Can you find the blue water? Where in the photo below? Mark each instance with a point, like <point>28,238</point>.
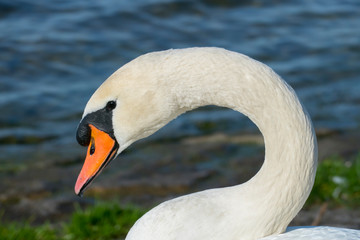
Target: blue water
<point>54,54</point>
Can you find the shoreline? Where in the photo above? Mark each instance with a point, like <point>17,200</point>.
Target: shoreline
<point>151,172</point>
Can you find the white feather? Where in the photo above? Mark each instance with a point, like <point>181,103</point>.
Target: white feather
<point>155,88</point>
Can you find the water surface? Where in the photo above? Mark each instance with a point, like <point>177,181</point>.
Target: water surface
<point>54,54</point>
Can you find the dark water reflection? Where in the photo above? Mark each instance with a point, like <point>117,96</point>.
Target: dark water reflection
<point>54,54</point>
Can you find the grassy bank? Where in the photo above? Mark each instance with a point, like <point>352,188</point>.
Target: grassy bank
<point>337,183</point>
<point>102,221</point>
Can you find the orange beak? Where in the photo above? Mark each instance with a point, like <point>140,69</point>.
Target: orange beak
<point>102,149</point>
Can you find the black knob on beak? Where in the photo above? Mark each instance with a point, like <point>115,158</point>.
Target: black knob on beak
<point>83,133</point>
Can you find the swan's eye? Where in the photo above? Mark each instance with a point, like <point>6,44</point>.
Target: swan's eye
<point>110,105</point>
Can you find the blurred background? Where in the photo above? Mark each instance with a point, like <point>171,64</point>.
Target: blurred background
<point>54,55</point>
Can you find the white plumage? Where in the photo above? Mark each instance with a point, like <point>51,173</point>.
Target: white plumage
<point>153,89</point>
<point>316,233</point>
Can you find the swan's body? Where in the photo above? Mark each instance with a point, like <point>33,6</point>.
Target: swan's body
<point>155,88</point>
<point>316,233</point>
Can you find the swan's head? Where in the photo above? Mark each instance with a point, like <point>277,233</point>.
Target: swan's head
<point>130,105</point>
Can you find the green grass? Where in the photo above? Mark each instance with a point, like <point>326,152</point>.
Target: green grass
<point>337,182</point>
<point>102,221</point>
<point>17,231</point>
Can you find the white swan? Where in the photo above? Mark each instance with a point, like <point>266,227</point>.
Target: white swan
<point>145,94</point>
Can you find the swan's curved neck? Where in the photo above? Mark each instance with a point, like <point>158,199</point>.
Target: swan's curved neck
<point>279,190</point>
<point>172,82</point>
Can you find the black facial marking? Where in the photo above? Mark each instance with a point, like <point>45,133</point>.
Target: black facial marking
<point>101,119</point>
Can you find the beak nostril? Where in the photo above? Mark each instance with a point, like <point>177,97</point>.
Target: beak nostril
<point>92,147</point>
